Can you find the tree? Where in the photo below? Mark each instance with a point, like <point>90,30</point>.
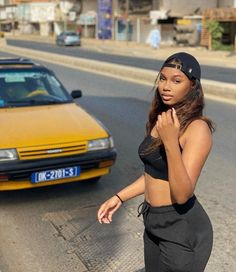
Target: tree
<point>215,30</point>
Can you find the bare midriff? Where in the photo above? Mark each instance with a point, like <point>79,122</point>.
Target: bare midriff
<point>157,191</point>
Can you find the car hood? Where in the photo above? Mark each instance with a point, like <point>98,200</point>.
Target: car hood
<point>40,125</point>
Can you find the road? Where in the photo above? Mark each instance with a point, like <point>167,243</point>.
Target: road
<point>54,229</point>
<point>221,74</point>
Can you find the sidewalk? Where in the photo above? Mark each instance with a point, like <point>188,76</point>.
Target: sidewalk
<point>204,56</point>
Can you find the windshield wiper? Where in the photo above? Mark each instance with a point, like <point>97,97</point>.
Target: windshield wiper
<point>47,102</point>
<point>16,103</point>
<point>33,102</point>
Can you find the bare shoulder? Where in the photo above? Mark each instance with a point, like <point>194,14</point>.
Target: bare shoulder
<point>198,126</point>
<point>198,131</point>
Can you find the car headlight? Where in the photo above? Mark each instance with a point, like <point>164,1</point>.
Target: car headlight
<point>99,144</point>
<point>8,155</point>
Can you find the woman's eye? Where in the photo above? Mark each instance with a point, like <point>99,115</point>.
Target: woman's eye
<point>162,78</point>
<point>177,81</point>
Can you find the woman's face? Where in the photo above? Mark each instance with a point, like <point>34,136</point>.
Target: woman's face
<point>173,85</point>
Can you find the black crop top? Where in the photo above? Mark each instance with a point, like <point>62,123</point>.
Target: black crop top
<point>155,162</point>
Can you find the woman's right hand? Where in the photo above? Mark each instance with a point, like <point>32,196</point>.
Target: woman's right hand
<point>107,209</point>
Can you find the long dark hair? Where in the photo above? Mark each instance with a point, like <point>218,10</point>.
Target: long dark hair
<point>190,108</point>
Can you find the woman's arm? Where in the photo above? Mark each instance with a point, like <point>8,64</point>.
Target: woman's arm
<point>184,169</point>
<point>108,208</point>
<point>134,189</point>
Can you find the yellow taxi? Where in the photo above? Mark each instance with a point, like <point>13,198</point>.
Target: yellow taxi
<point>46,138</point>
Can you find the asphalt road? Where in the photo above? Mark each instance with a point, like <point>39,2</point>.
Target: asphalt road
<point>54,229</point>
<point>208,72</point>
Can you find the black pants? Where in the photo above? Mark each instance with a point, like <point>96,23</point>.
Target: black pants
<point>177,238</point>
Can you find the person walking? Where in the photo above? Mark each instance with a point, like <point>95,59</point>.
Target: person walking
<point>154,38</point>
<point>178,234</point>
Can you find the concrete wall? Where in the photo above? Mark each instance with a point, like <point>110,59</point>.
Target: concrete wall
<point>89,5</point>
<point>185,7</point>
<point>145,28</point>
<point>31,1</point>
<point>45,29</point>
<point>227,3</point>
<point>167,34</point>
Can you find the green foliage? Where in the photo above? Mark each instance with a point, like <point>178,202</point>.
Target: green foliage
<point>216,31</point>
<point>225,47</point>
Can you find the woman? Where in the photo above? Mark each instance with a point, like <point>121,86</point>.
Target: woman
<point>178,233</point>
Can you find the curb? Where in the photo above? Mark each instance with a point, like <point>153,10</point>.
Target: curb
<point>226,91</point>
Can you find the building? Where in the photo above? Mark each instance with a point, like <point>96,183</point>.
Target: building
<point>124,20</point>
<point>35,16</point>
<point>227,19</point>
<point>7,11</point>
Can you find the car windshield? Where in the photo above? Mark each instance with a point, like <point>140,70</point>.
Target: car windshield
<point>30,88</point>
<point>71,34</point>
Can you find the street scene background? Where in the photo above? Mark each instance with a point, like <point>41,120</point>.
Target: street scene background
<point>55,229</point>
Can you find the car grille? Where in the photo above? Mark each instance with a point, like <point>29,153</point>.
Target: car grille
<point>52,151</point>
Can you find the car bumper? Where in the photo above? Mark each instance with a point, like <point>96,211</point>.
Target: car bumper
<point>72,43</point>
<point>17,175</point>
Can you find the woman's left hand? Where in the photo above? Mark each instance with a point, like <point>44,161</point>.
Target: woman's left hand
<point>168,127</point>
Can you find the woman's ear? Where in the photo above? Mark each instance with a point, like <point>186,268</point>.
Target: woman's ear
<point>193,83</point>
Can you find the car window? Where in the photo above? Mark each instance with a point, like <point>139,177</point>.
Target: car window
<point>24,88</point>
<point>55,86</point>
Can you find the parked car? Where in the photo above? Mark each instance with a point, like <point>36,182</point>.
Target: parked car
<point>68,38</point>
<point>46,138</point>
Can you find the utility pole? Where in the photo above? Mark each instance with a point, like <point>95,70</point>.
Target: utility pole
<point>127,17</point>
<point>113,20</point>
<point>13,19</point>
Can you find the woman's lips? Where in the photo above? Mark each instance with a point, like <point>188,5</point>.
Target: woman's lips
<point>166,97</point>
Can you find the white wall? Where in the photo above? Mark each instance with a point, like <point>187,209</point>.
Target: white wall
<point>42,12</point>
<point>185,7</point>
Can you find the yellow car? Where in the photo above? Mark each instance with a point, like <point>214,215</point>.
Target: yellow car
<point>46,138</point>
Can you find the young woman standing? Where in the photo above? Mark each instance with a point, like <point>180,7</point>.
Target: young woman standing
<point>178,234</point>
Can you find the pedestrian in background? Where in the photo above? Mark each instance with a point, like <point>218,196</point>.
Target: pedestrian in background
<point>79,30</point>
<point>178,234</point>
<point>154,38</point>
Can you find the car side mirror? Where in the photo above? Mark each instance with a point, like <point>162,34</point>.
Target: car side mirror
<point>76,94</point>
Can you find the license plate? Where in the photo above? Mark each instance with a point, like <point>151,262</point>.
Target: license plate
<point>55,174</point>
<point>73,39</point>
